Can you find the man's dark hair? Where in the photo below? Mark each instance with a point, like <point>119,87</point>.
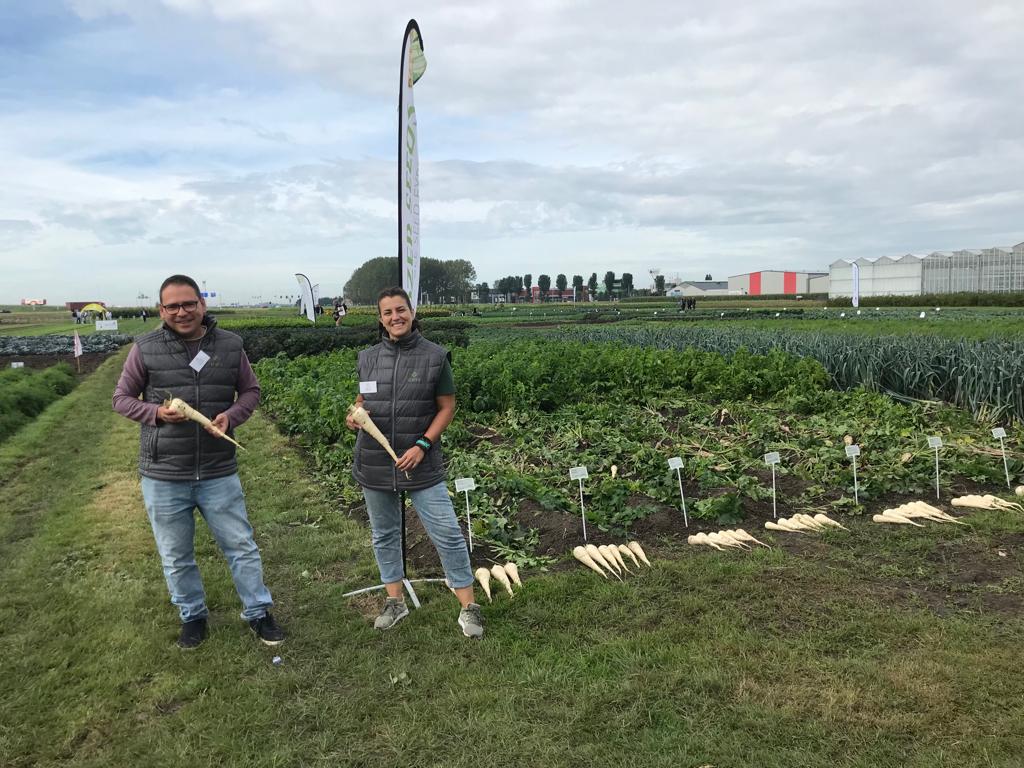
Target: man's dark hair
<point>179,280</point>
<point>388,293</point>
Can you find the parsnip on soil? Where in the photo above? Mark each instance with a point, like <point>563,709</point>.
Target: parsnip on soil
<point>581,554</point>
<point>484,577</point>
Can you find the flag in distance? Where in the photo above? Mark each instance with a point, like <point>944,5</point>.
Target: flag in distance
<point>78,345</point>
<point>306,291</point>
<point>414,63</point>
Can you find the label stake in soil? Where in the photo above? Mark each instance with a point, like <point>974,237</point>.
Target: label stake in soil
<point>853,451</point>
<point>467,484</point>
<point>580,473</point>
<point>676,463</point>
<point>1000,434</point>
<point>935,443</point>
<point>771,459</point>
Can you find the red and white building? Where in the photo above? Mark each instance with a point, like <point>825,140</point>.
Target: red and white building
<point>774,282</point>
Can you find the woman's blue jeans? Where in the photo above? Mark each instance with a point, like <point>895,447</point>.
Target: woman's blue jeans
<point>437,514</point>
<point>171,505</point>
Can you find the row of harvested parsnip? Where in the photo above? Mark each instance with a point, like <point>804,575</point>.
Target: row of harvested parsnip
<point>506,575</point>
<point>907,514</point>
<point>607,559</point>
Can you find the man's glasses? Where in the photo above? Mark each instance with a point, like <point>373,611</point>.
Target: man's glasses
<point>188,306</point>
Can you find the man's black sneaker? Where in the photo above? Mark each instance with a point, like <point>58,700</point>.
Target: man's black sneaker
<point>266,629</point>
<point>192,634</point>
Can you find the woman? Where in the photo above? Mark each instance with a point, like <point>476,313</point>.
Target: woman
<point>405,384</point>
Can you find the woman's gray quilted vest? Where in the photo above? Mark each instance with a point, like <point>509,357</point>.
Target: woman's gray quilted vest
<point>186,451</point>
<point>407,374</point>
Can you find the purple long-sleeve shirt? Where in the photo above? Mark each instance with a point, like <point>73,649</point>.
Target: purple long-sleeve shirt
<point>133,382</point>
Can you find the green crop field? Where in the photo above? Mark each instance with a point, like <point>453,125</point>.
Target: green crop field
<point>881,645</point>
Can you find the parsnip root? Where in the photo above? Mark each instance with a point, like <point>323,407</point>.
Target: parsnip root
<point>581,554</point>
<point>484,577</point>
<point>186,410</point>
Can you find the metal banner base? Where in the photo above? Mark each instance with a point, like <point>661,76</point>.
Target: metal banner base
<point>408,588</point>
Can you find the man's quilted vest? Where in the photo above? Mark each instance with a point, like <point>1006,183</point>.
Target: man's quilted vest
<point>186,451</point>
<point>406,374</point>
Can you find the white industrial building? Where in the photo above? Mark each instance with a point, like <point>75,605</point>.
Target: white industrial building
<point>986,270</point>
<point>776,282</point>
<point>699,288</point>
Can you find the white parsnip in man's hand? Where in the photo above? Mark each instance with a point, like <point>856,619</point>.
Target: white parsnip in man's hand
<point>181,407</point>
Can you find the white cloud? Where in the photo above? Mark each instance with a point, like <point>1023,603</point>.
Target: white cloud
<point>786,133</point>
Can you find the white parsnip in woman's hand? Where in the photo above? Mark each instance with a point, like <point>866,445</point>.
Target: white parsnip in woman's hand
<point>186,410</point>
<point>359,415</point>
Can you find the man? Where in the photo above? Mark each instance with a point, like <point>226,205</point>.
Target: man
<point>185,467</point>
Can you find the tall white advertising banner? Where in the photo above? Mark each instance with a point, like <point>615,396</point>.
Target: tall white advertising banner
<point>414,63</point>
<point>855,274</point>
<point>306,291</point>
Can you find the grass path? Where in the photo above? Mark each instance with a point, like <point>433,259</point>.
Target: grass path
<point>763,660</point>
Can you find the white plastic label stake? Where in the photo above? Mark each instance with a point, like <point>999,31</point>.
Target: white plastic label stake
<point>1000,434</point>
<point>853,451</point>
<point>935,443</point>
<point>771,459</point>
<point>467,484</point>
<point>676,463</point>
<point>200,360</point>
<point>580,474</point>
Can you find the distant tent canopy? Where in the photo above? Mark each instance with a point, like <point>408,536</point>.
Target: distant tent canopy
<point>94,308</point>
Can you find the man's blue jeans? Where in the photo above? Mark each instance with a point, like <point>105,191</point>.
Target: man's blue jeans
<point>437,514</point>
<point>171,506</point>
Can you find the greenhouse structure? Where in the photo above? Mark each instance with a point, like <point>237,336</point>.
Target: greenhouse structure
<point>986,270</point>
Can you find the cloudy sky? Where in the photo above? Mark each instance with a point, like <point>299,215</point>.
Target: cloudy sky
<point>241,141</point>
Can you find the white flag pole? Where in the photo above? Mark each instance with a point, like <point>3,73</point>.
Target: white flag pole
<point>414,63</point>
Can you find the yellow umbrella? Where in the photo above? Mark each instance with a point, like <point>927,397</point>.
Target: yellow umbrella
<point>93,308</point>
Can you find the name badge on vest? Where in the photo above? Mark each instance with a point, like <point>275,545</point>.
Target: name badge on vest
<point>367,387</point>
<point>199,361</point>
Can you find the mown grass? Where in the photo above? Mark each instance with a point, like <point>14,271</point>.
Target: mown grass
<point>795,657</point>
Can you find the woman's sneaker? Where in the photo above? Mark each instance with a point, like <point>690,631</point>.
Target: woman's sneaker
<point>393,612</point>
<point>471,621</point>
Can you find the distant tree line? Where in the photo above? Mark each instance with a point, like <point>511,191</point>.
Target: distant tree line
<point>441,282</point>
<point>455,281</point>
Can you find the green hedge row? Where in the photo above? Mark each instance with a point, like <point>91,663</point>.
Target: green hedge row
<point>667,300</point>
<point>293,342</point>
<point>25,392</point>
<point>938,300</point>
